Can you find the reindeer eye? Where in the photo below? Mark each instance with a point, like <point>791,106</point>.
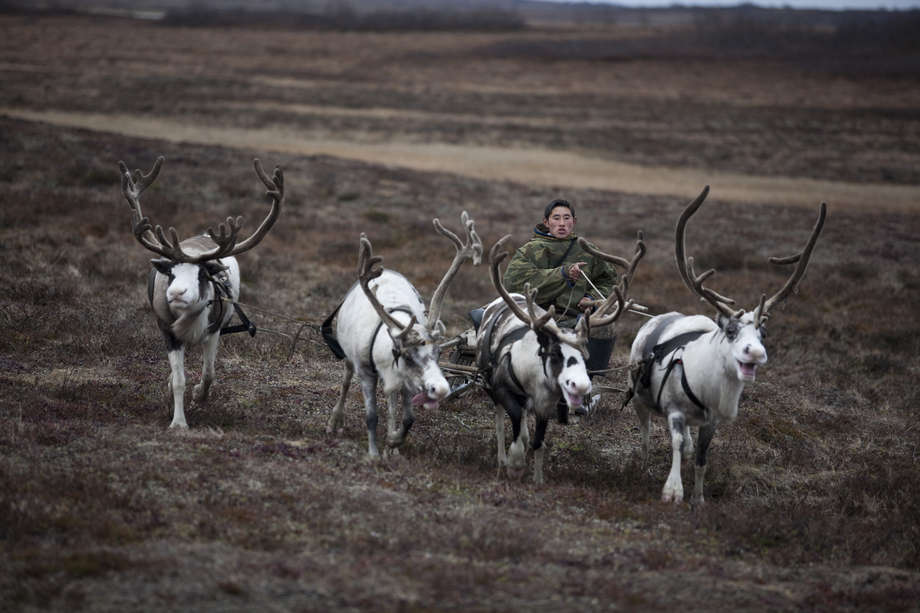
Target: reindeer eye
<point>570,362</point>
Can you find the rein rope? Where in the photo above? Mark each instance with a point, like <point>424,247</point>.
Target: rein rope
<point>303,323</point>
<point>633,309</point>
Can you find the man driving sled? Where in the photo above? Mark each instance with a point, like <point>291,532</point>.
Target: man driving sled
<point>565,276</point>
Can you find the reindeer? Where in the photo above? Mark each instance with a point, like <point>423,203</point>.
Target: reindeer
<point>188,285</point>
<point>690,370</point>
<point>386,333</point>
<point>530,363</point>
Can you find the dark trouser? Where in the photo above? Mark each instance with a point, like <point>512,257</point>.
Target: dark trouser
<point>599,352</point>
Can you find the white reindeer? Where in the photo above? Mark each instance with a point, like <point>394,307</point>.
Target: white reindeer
<point>691,370</point>
<point>530,363</point>
<point>386,333</point>
<point>188,285</point>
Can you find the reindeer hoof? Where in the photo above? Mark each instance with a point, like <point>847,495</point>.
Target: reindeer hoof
<point>200,393</point>
<point>672,497</point>
<point>178,425</point>
<point>516,472</point>
<point>392,454</point>
<point>335,425</point>
<point>395,440</point>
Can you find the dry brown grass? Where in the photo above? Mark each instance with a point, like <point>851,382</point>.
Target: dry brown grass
<point>813,496</point>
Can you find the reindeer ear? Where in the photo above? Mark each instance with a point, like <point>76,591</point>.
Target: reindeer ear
<point>543,337</point>
<point>214,267</point>
<point>162,265</point>
<point>729,325</point>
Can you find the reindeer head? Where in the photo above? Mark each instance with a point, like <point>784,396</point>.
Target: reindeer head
<point>189,265</point>
<point>415,350</point>
<point>743,331</point>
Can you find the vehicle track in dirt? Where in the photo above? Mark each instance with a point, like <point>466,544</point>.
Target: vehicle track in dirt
<point>534,166</point>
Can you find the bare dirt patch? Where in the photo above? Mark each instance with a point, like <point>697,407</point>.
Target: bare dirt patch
<point>532,166</point>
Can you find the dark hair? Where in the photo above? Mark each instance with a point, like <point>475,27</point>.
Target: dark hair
<point>558,202</point>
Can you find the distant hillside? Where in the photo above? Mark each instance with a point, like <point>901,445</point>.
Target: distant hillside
<point>881,27</point>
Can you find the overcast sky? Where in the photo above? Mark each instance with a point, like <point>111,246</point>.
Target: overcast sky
<point>819,4</point>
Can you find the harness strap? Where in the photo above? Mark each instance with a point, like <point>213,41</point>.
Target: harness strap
<point>683,383</point>
<point>486,362</point>
<point>681,340</point>
<point>686,385</point>
<point>216,315</point>
<point>510,338</point>
<point>245,326</point>
<point>653,352</point>
<point>370,354</point>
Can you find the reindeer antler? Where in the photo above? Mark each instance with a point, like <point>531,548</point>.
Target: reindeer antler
<point>496,256</point>
<point>792,282</point>
<point>602,316</point>
<point>367,271</point>
<point>155,239</point>
<point>534,320</point>
<point>685,265</point>
<point>470,250</point>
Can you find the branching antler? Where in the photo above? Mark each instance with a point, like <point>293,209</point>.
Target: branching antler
<point>722,304</point>
<point>471,250</point>
<point>604,315</point>
<point>496,256</point>
<point>685,265</point>
<point>367,271</point>
<point>802,259</point>
<point>531,317</point>
<point>155,238</point>
<point>275,185</point>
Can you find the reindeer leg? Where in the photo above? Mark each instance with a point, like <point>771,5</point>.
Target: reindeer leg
<point>369,389</point>
<point>177,386</point>
<point>645,419</point>
<point>673,488</point>
<point>392,407</point>
<point>687,449</point>
<point>500,437</point>
<point>398,437</point>
<point>538,447</point>
<point>209,353</point>
<point>703,439</point>
<point>334,426</point>
<point>517,453</point>
<point>525,425</point>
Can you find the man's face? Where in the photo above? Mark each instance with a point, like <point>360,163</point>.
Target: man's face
<point>560,222</point>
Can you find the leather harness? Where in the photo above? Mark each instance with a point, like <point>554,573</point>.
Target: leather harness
<point>653,352</point>
<point>333,343</point>
<point>370,354</point>
<point>221,291</point>
<point>487,359</point>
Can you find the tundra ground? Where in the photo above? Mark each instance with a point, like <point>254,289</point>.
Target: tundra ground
<point>812,494</point>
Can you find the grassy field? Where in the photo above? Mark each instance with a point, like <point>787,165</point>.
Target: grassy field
<point>812,494</point>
